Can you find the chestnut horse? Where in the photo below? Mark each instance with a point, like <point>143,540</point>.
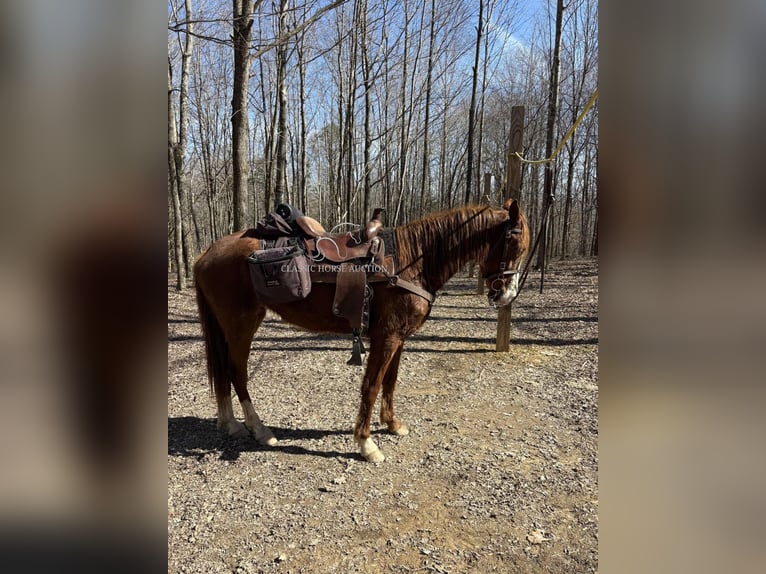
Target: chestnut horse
<point>429,250</point>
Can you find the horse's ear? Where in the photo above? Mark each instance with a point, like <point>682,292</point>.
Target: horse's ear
<point>512,207</point>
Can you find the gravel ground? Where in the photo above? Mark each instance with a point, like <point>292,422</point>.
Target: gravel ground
<point>498,473</point>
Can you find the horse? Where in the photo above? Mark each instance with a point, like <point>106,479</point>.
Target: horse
<point>430,251</point>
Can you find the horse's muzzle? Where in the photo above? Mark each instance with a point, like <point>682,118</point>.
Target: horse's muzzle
<point>505,292</point>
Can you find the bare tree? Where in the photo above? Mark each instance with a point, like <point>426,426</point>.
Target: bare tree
<point>553,101</point>
<point>243,24</point>
<point>280,183</point>
<point>303,163</point>
<point>367,83</point>
<point>177,141</point>
<point>425,179</point>
<point>173,189</point>
<point>472,109</point>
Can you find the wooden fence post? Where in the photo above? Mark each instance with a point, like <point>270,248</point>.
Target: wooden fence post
<point>512,191</point>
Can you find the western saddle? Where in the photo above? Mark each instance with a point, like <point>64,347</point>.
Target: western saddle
<point>354,245</point>
<point>351,260</point>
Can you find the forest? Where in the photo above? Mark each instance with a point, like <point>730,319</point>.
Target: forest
<point>342,106</point>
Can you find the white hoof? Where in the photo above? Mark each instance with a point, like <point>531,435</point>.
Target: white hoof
<point>375,456</point>
<point>261,432</point>
<point>264,436</point>
<point>267,439</point>
<point>370,451</point>
<point>402,430</point>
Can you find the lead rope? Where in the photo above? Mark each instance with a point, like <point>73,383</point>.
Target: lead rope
<point>532,252</point>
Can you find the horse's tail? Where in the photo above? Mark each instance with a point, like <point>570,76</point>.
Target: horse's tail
<point>216,348</point>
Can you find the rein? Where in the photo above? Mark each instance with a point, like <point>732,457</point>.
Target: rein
<point>525,273</point>
<point>389,237</point>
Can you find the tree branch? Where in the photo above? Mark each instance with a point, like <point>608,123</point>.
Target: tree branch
<point>295,31</point>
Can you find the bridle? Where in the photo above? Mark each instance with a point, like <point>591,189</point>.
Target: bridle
<point>501,275</point>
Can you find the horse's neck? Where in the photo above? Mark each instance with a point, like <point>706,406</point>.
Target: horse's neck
<point>434,255</point>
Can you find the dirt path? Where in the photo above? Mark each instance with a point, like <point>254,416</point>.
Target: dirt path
<point>498,474</point>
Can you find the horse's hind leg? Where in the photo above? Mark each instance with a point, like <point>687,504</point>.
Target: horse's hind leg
<point>226,420</point>
<point>387,417</point>
<point>239,351</point>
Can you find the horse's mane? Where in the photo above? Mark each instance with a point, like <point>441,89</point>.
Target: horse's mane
<point>451,239</point>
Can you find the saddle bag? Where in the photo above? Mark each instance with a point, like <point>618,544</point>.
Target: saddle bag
<point>280,274</point>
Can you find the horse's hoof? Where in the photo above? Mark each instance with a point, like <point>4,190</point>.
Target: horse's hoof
<point>236,429</point>
<point>374,456</point>
<point>370,451</point>
<point>401,430</point>
<point>265,437</point>
<point>268,440</point>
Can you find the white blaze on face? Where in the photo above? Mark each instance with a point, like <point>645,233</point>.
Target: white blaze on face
<point>509,290</point>
<point>512,288</point>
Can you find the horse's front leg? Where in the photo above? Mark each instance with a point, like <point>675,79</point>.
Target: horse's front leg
<point>382,352</point>
<point>387,417</point>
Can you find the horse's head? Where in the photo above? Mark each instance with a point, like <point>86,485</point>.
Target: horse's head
<point>501,267</point>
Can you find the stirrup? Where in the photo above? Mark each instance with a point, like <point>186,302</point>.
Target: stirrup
<point>357,349</point>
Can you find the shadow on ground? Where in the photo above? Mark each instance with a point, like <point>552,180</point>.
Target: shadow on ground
<point>195,437</point>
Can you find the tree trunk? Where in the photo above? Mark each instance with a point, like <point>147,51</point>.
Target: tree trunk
<point>172,181</point>
<point>445,199</point>
<point>594,243</point>
<point>367,81</point>
<point>183,123</point>
<point>204,130</point>
<point>472,109</point>
<point>553,101</point>
<point>402,107</point>
<point>243,24</point>
<point>303,165</point>
<point>585,199</point>
<point>385,129</point>
<point>482,106</point>
<point>280,183</point>
<point>349,123</point>
<point>269,128</point>
<point>567,202</point>
<point>425,179</point>
<point>180,137</point>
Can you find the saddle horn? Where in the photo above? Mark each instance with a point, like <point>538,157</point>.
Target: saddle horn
<point>376,213</point>
<point>373,226</point>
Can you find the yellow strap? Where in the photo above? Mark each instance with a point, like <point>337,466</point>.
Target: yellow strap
<point>567,136</point>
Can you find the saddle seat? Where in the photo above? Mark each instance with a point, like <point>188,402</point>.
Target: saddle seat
<point>362,243</point>
<point>310,226</point>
